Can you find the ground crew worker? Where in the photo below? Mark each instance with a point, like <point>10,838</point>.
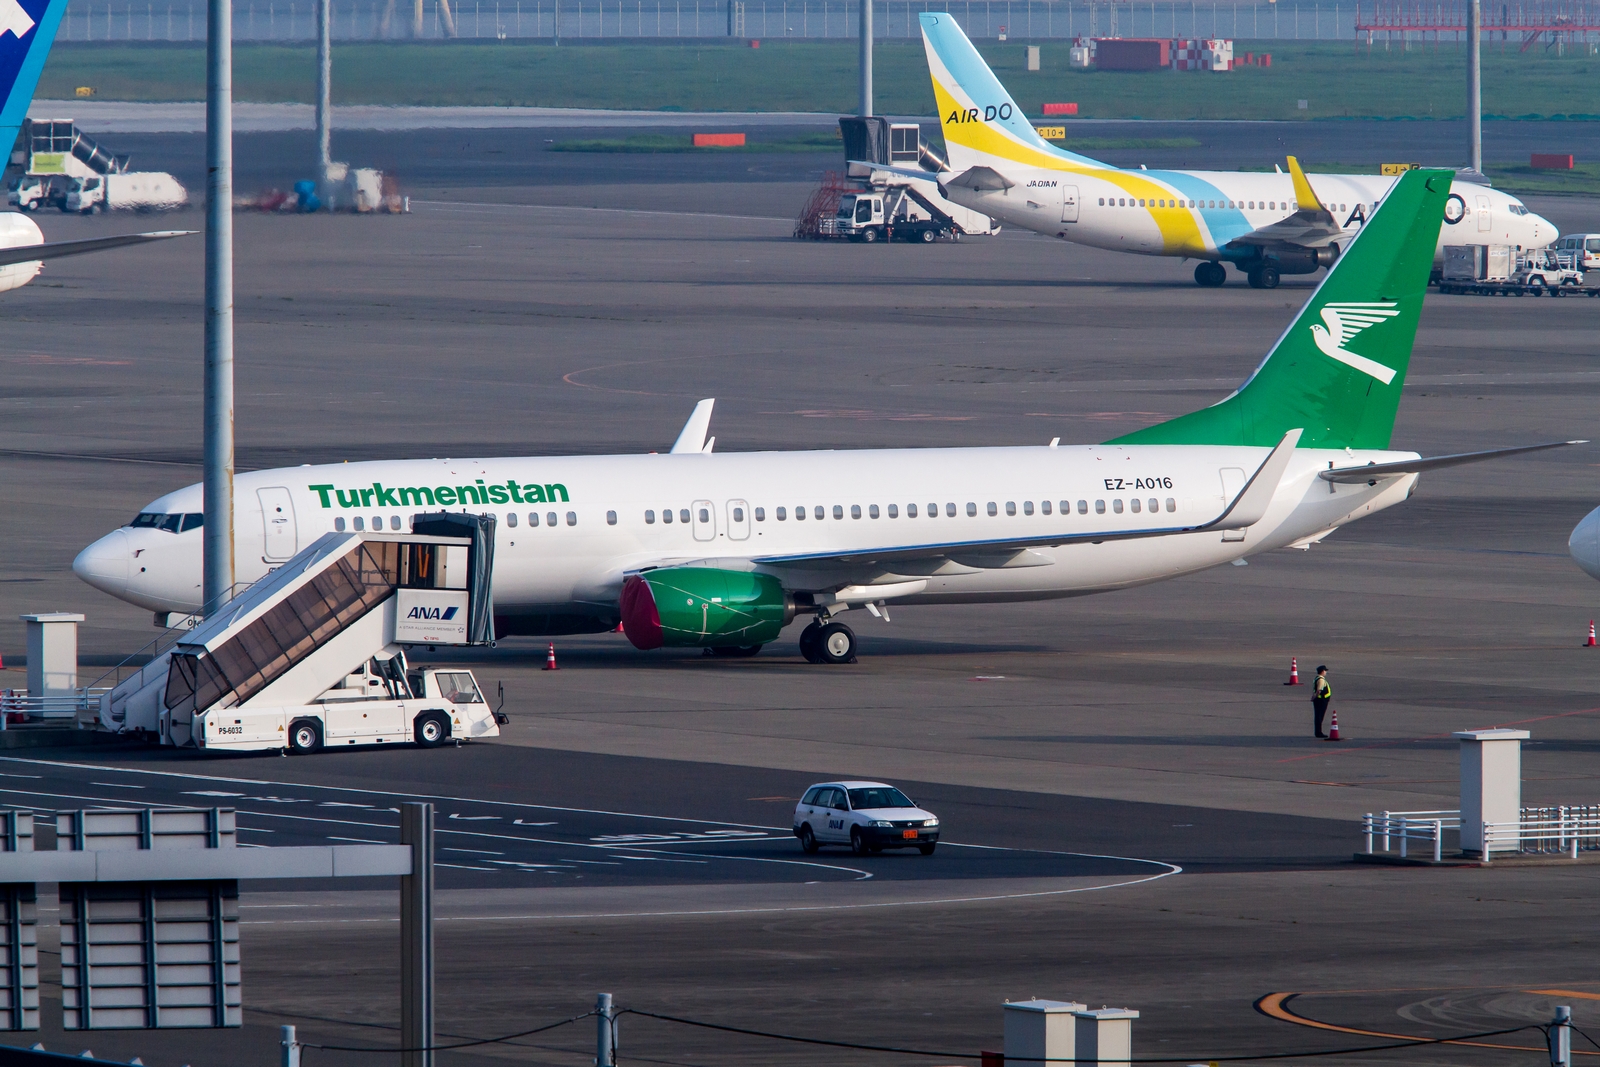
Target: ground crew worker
<point>1321,697</point>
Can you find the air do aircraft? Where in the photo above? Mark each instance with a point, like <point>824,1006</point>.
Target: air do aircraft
<point>721,551</point>
<point>27,30</point>
<point>1266,225</point>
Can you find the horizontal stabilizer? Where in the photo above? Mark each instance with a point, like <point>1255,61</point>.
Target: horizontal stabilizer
<point>981,179</point>
<point>1372,471</point>
<point>59,249</point>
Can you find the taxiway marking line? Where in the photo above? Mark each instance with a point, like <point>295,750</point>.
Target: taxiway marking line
<point>1275,1006</point>
<point>1564,993</point>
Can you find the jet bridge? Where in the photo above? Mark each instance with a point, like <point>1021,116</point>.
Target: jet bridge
<point>314,653</point>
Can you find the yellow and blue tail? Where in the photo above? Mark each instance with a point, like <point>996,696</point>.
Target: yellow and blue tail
<point>27,30</point>
<point>982,125</point>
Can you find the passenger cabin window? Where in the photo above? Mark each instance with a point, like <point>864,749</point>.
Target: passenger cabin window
<point>1155,505</point>
<point>705,514</point>
<point>572,518</point>
<point>511,520</point>
<point>1116,505</point>
<point>855,511</point>
<point>972,509</point>
<point>783,513</point>
<point>1172,505</point>
<point>894,511</point>
<point>816,512</point>
<point>1083,507</point>
<point>649,518</point>
<point>611,518</point>
<point>1044,507</point>
<point>761,514</point>
<point>550,518</point>
<point>1136,505</point>
<point>338,524</point>
<point>683,515</point>
<point>838,512</point>
<point>533,518</point>
<point>800,514</point>
<point>1099,507</point>
<point>1027,508</point>
<point>358,524</point>
<point>950,509</point>
<point>911,511</point>
<point>872,511</point>
<point>992,509</point>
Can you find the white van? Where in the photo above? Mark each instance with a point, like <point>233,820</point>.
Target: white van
<point>1584,249</point>
<point>142,191</point>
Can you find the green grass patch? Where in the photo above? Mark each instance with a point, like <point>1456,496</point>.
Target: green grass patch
<point>1337,80</point>
<point>683,142</point>
<point>1582,179</point>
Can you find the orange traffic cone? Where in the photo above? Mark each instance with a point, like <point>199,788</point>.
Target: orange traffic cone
<point>1294,671</point>
<point>550,658</point>
<point>1590,643</point>
<point>619,629</point>
<point>1333,731</point>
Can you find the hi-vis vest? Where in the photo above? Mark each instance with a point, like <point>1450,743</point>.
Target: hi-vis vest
<point>1323,690</point>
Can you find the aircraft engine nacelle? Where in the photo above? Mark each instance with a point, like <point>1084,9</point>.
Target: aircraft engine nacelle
<point>1298,260</point>
<point>1584,544</point>
<point>703,607</point>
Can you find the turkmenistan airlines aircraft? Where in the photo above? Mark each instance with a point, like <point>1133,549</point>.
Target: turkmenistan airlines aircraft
<point>1266,225</point>
<point>27,30</point>
<point>722,551</point>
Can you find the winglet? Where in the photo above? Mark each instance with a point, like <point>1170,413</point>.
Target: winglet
<point>693,437</point>
<point>1304,195</point>
<point>1251,504</point>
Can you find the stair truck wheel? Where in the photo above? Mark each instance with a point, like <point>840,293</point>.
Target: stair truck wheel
<point>431,729</point>
<point>305,735</point>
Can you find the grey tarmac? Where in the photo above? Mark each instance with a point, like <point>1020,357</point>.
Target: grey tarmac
<point>1151,725</point>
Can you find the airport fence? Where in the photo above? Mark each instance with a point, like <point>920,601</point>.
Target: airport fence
<point>295,20</point>
<point>1562,830</point>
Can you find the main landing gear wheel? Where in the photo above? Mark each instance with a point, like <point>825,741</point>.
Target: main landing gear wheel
<point>837,643</point>
<point>1263,278</point>
<point>1210,275</point>
<point>811,643</point>
<point>808,840</point>
<point>304,736</point>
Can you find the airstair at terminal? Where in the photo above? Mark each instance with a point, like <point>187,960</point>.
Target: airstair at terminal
<point>313,654</point>
<point>51,141</point>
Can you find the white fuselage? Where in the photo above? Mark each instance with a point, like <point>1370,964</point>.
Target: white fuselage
<point>1148,211</point>
<point>17,231</point>
<point>600,517</point>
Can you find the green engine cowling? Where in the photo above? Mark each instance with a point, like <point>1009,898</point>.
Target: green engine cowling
<point>689,607</point>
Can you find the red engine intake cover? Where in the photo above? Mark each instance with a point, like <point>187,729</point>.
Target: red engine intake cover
<point>641,620</point>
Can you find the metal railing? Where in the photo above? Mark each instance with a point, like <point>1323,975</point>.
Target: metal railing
<point>1387,827</point>
<point>19,708</point>
<point>1561,831</point>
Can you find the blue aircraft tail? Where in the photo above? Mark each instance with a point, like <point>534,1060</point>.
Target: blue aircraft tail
<point>27,30</point>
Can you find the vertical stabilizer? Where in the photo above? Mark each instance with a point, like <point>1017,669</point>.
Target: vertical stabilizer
<point>1337,371</point>
<point>27,30</point>
<point>983,126</point>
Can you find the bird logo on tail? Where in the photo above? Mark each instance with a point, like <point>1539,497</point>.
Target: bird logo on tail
<point>14,19</point>
<point>1344,321</point>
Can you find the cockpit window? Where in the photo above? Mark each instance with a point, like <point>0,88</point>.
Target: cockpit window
<point>174,523</point>
<point>1516,209</point>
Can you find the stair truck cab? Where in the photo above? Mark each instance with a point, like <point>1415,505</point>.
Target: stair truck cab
<point>314,654</point>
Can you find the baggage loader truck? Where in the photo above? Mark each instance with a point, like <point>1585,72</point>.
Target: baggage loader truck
<point>314,654</point>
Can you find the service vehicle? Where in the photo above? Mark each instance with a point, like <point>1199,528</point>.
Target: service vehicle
<point>867,816</point>
<point>1545,268</point>
<point>890,215</point>
<point>314,654</point>
<point>140,191</point>
<point>31,192</point>
<point>1584,249</point>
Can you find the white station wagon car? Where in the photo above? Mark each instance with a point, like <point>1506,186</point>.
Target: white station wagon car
<point>867,816</point>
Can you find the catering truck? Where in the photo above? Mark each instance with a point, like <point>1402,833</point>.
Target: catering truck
<point>151,190</point>
<point>314,655</point>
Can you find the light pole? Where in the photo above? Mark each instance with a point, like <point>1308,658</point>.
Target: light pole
<point>866,57</point>
<point>217,570</point>
<point>1475,83</point>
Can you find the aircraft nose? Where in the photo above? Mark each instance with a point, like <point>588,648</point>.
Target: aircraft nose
<point>104,564</point>
<point>1584,544</point>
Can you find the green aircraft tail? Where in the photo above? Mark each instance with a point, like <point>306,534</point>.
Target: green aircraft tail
<point>1337,371</point>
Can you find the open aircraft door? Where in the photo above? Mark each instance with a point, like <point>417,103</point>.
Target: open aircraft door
<point>281,535</point>
<point>1069,203</point>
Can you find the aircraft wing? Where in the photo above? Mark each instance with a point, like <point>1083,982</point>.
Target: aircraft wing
<point>1244,510</point>
<point>59,249</point>
<point>1374,471</point>
<point>1312,226</point>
